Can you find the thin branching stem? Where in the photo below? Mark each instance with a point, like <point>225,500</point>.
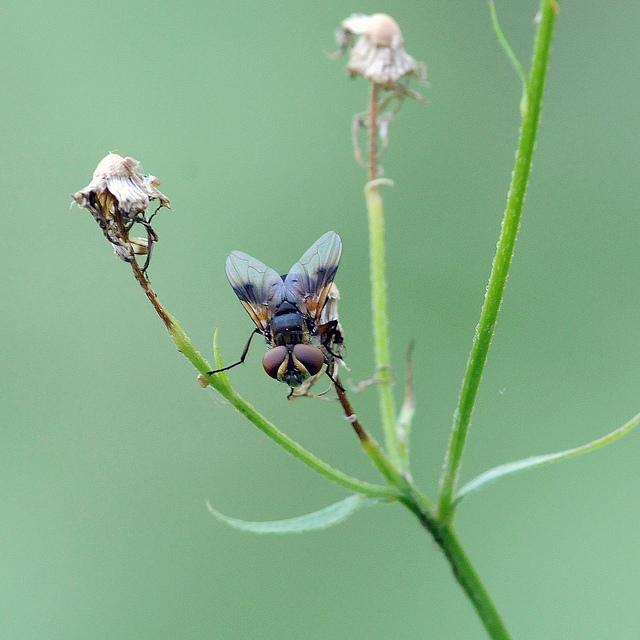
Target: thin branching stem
<point>220,382</point>
<point>375,451</point>
<point>502,260</point>
<point>395,469</point>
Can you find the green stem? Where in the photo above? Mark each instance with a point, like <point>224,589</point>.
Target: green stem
<point>461,566</point>
<point>470,581</point>
<point>377,454</point>
<point>302,454</point>
<point>379,298</point>
<point>378,271</point>
<point>220,382</point>
<point>395,468</point>
<point>402,490</point>
<point>381,320</point>
<point>501,262</point>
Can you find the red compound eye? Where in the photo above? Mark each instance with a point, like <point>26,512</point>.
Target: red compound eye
<point>310,357</point>
<point>273,360</point>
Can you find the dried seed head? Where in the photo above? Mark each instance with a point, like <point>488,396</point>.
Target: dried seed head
<point>131,190</point>
<point>378,55</point>
<point>117,198</point>
<point>383,31</point>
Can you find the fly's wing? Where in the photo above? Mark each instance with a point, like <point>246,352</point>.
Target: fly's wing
<point>308,282</point>
<point>259,288</point>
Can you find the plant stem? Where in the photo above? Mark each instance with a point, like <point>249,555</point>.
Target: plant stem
<point>469,580</point>
<point>379,286</point>
<point>376,453</point>
<point>392,469</point>
<point>502,260</point>
<point>302,454</point>
<point>461,566</point>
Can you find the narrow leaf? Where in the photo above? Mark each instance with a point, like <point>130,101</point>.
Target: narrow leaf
<point>537,461</point>
<point>217,356</point>
<point>504,43</point>
<point>407,411</point>
<point>221,378</point>
<point>322,519</point>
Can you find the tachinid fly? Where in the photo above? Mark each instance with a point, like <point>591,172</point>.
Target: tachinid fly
<point>296,313</point>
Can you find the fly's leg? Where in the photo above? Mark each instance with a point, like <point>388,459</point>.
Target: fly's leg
<point>242,357</point>
<point>331,335</point>
<point>152,236</point>
<point>335,381</point>
<point>375,379</point>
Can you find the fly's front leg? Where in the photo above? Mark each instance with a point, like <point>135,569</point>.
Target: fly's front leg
<point>330,334</point>
<point>242,357</point>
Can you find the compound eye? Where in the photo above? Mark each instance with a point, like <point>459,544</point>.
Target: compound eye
<point>273,359</point>
<point>310,357</point>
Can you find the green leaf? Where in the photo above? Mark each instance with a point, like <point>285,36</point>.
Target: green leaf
<point>310,522</point>
<point>217,356</point>
<point>510,468</point>
<point>504,43</point>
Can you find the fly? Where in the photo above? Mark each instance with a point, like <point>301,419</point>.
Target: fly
<point>301,329</point>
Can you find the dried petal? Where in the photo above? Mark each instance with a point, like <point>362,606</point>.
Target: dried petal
<point>140,246</point>
<point>356,23</point>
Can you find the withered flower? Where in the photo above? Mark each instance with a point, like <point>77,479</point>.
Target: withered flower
<point>378,54</point>
<point>329,314</point>
<point>117,198</point>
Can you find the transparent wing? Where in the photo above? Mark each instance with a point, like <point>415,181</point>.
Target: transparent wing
<point>308,282</point>
<point>259,288</point>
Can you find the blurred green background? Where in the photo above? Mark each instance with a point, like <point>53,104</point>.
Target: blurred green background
<point>109,448</point>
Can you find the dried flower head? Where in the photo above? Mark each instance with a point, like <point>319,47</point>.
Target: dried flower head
<point>378,54</point>
<point>117,198</point>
